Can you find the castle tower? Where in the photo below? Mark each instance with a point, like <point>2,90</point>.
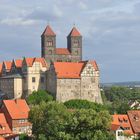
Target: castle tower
<point>48,44</point>
<point>74,44</point>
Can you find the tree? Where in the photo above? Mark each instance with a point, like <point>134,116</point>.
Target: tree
<point>87,124</point>
<point>38,96</point>
<point>53,121</point>
<point>84,104</point>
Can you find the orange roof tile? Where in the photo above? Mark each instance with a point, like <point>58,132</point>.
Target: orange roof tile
<point>62,51</point>
<point>48,31</point>
<point>134,117</point>
<point>2,138</point>
<point>74,32</point>
<point>18,63</point>
<point>8,65</point>
<point>30,61</point>
<point>0,68</point>
<point>18,109</point>
<point>41,60</point>
<point>4,124</point>
<point>68,69</point>
<point>122,121</point>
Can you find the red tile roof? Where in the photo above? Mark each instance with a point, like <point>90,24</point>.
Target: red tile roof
<point>74,32</point>
<point>48,31</point>
<point>134,117</point>
<point>4,125</point>
<point>18,63</point>
<point>115,127</point>
<point>18,109</point>
<point>30,61</point>
<point>122,121</point>
<point>68,69</point>
<point>2,138</point>
<point>71,69</point>
<point>62,51</point>
<point>0,68</point>
<point>8,65</point>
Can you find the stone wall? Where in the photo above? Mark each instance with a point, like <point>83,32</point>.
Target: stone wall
<point>86,87</point>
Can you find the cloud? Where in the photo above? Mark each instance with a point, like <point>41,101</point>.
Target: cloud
<point>17,21</point>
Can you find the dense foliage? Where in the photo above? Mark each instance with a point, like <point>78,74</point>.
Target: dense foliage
<point>38,96</point>
<point>121,93</point>
<point>53,121</point>
<point>84,104</point>
<point>117,98</point>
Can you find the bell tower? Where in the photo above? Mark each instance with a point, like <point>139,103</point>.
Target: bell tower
<point>74,44</point>
<point>48,44</point>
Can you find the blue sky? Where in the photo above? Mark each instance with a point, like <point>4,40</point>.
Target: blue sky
<point>110,29</point>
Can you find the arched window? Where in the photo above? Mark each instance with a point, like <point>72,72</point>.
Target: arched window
<point>76,43</point>
<point>49,43</point>
<point>50,51</point>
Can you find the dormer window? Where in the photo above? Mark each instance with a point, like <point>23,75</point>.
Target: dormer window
<point>49,43</point>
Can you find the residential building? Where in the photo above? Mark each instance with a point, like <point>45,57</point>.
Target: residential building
<point>16,113</point>
<point>21,77</point>
<point>74,80</point>
<point>134,116</point>
<point>5,131</point>
<point>121,127</point>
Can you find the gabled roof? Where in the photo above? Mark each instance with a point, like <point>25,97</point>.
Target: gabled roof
<point>123,121</point>
<point>8,65</point>
<point>48,31</point>
<point>30,61</point>
<point>17,109</point>
<point>18,63</point>
<point>134,117</point>
<point>71,69</point>
<point>61,51</point>
<point>0,68</point>
<point>68,69</point>
<point>4,125</point>
<point>74,32</point>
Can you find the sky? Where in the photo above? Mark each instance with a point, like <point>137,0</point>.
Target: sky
<point>110,30</point>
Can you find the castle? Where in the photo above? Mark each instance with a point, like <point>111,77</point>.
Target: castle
<point>61,71</point>
<point>73,52</point>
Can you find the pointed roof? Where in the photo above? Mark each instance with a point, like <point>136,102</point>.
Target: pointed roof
<point>74,32</point>
<point>48,31</point>
<point>14,108</point>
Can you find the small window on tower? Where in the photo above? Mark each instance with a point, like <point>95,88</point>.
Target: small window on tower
<point>76,52</point>
<point>76,43</point>
<point>49,43</point>
<point>50,51</point>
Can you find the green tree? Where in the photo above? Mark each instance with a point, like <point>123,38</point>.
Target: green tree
<point>87,124</point>
<point>23,137</point>
<point>84,104</point>
<point>38,96</point>
<point>53,121</point>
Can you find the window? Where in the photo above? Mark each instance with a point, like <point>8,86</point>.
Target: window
<point>42,80</point>
<point>76,52</point>
<point>50,51</point>
<point>49,43</point>
<point>76,43</point>
<point>33,79</point>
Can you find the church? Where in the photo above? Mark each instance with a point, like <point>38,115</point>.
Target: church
<point>60,71</point>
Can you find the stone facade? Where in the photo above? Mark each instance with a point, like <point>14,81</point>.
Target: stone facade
<point>21,81</point>
<point>72,53</point>
<point>84,87</point>
<point>80,81</point>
